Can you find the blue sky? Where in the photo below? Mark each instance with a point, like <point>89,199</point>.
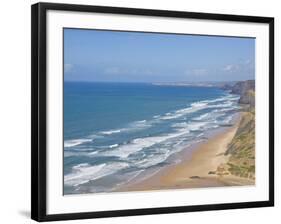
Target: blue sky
<point>94,55</point>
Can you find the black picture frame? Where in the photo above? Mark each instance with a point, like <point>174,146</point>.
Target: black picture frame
<point>38,108</point>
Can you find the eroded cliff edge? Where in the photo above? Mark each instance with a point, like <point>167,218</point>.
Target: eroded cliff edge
<point>241,150</point>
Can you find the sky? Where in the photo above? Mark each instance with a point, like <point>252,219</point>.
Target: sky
<point>114,56</point>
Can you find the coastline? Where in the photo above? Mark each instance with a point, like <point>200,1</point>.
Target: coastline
<point>196,168</point>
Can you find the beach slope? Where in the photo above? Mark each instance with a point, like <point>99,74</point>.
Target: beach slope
<point>200,169</point>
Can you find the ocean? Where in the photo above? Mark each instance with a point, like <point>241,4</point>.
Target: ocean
<point>116,132</point>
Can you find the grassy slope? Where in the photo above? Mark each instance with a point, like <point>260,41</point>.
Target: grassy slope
<point>241,150</point>
<point>242,147</point>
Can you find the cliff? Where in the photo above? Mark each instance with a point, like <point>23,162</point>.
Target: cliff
<point>246,90</point>
<point>241,150</point>
<point>243,86</point>
<point>242,147</point>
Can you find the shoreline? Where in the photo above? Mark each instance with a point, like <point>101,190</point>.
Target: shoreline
<point>196,168</point>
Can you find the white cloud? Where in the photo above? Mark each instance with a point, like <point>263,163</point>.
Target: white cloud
<point>196,71</point>
<point>148,72</point>
<point>242,66</point>
<point>68,68</point>
<point>199,71</point>
<point>130,71</point>
<point>112,70</point>
<point>247,62</point>
<point>232,68</point>
<point>227,68</point>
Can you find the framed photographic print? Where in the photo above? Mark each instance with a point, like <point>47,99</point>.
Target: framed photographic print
<point>139,111</point>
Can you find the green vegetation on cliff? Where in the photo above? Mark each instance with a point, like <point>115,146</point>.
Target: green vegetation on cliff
<point>241,150</point>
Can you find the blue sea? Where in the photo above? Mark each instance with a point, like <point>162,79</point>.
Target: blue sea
<point>116,132</point>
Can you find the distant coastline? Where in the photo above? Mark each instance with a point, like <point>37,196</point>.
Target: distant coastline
<point>197,84</point>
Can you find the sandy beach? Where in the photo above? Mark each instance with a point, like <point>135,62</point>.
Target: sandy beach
<point>197,168</point>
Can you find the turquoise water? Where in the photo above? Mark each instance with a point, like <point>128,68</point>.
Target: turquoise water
<point>113,132</point>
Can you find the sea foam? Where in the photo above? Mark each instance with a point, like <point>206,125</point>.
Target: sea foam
<point>144,152</point>
<point>75,142</point>
<point>84,173</point>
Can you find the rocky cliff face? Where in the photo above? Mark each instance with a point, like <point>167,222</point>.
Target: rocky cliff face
<point>241,150</point>
<point>246,90</point>
<point>243,86</point>
<point>248,98</point>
